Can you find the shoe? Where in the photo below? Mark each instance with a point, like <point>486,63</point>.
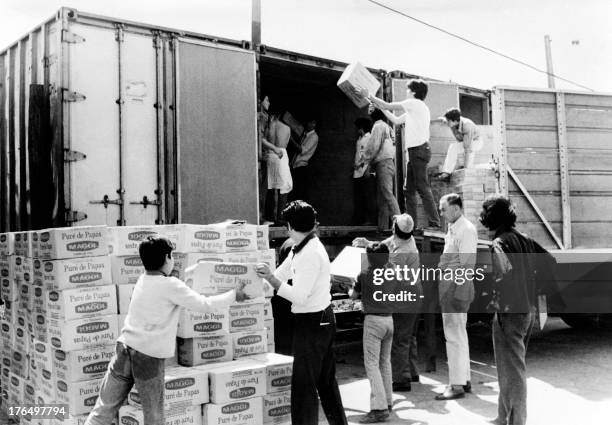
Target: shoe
<point>390,408</point>
<point>450,394</point>
<point>467,387</point>
<point>415,378</point>
<point>496,421</point>
<point>401,387</point>
<point>431,364</point>
<point>375,416</point>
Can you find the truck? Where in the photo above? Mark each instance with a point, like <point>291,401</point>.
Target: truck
<point>108,121</point>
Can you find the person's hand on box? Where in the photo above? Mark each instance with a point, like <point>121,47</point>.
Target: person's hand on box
<point>240,294</point>
<point>361,91</point>
<point>263,270</point>
<point>360,243</point>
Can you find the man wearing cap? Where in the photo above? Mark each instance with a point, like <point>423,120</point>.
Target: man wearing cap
<point>456,295</point>
<point>402,252</point>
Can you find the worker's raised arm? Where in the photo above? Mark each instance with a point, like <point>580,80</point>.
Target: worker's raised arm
<point>396,120</point>
<point>380,104</point>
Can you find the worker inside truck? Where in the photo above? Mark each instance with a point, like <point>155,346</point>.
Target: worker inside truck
<point>279,179</point>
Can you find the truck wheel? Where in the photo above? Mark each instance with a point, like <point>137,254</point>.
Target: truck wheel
<point>581,321</point>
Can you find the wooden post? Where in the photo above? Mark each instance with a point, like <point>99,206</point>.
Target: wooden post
<point>256,23</point>
<point>549,64</point>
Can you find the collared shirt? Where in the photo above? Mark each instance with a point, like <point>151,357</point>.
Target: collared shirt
<point>416,124</point>
<point>466,131</point>
<point>308,147</point>
<point>263,126</point>
<point>381,134</point>
<point>460,245</point>
<point>403,252</point>
<point>308,268</point>
<point>360,164</point>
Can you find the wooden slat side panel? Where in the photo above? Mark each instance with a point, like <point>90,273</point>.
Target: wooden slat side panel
<point>534,159</point>
<point>531,115</point>
<point>589,139</point>
<point>578,117</point>
<point>521,138</point>
<point>529,96</point>
<point>588,100</point>
<point>550,205</point>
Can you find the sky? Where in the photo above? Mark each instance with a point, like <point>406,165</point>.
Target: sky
<point>358,30</point>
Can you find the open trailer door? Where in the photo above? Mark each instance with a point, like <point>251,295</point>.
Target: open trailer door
<point>217,133</point>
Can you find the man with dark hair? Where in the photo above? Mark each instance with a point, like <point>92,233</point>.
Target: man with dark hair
<point>468,140</point>
<point>457,293</point>
<point>514,303</point>
<point>415,117</point>
<point>279,180</point>
<point>300,165</point>
<point>364,210</point>
<point>314,365</point>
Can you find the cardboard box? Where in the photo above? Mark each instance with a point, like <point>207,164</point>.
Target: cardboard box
<point>125,240</point>
<point>126,270</point>
<point>249,343</point>
<point>23,268</point>
<point>39,299</point>
<point>277,408</point>
<point>215,278</point>
<point>246,316</point>
<point>279,369</point>
<point>47,385</point>
<point>73,242</point>
<point>7,244</point>
<point>347,265</point>
<point>236,380</point>
<point>210,349</point>
<point>23,243</point>
<point>40,327</point>
<point>243,412</point>
<point>269,325</point>
<point>74,335</point>
<point>82,365</point>
<point>184,387</point>
<point>19,364</point>
<point>43,355</point>
<point>10,288</point>
<point>15,389</point>
<point>124,296</point>
<point>76,273</point>
<point>268,312</point>
<point>73,304</point>
<point>193,324</point>
<point>263,237</point>
<point>132,415</point>
<point>220,237</point>
<point>79,396</point>
<point>356,75</point>
<point>182,261</point>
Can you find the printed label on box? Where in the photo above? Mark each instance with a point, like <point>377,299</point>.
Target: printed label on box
<point>279,369</point>
<point>126,270</point>
<point>211,349</point>
<point>249,343</point>
<point>215,278</point>
<point>7,244</point>
<point>263,237</point>
<point>82,365</point>
<point>277,408</point>
<point>246,316</point>
<point>73,242</point>
<point>193,324</point>
<point>74,335</point>
<point>220,237</point>
<point>242,412</point>
<point>72,304</point>
<point>236,380</point>
<point>132,415</point>
<point>79,396</point>
<point>76,273</point>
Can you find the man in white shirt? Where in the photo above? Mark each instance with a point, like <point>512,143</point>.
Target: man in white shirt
<point>416,118</point>
<point>300,166</point>
<point>364,209</point>
<point>314,365</point>
<point>456,295</point>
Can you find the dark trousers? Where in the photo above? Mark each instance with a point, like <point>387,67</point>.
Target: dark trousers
<point>403,331</point>
<point>314,370</point>
<point>275,203</point>
<point>417,180</point>
<point>511,332</point>
<point>301,183</point>
<point>364,200</point>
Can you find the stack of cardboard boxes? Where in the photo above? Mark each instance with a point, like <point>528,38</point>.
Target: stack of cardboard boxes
<point>65,300</point>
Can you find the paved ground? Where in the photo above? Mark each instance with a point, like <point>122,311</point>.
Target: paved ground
<point>570,382</point>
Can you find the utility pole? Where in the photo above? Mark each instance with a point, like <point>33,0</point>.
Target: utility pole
<point>549,64</point>
<point>256,23</point>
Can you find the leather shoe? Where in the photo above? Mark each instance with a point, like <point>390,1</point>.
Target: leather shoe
<point>450,394</point>
<point>415,378</point>
<point>401,387</point>
<point>374,416</point>
<point>467,387</point>
<point>496,421</point>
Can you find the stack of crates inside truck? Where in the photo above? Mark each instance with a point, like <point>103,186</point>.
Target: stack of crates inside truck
<point>67,292</point>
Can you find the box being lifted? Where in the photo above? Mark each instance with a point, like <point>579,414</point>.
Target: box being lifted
<point>356,75</point>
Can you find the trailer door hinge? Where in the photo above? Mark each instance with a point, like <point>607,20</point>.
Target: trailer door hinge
<point>73,96</point>
<point>106,201</point>
<point>49,60</point>
<point>74,216</point>
<point>73,156</point>
<point>146,201</point>
<point>70,37</point>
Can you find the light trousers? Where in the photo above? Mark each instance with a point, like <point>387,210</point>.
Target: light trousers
<point>377,340</point>
<point>457,347</point>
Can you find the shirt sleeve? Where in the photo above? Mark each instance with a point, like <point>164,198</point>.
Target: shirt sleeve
<point>468,244</point>
<point>307,269</point>
<point>184,296</point>
<point>373,145</point>
<point>283,272</point>
<point>308,147</point>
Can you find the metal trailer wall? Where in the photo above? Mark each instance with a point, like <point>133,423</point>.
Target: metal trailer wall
<point>100,123</point>
<point>556,163</point>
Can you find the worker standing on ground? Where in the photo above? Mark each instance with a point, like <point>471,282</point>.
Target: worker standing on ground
<point>314,364</point>
<point>380,154</point>
<point>416,119</point>
<point>514,305</point>
<point>149,335</point>
<point>468,141</point>
<point>300,166</point>
<point>457,293</point>
<point>403,252</point>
